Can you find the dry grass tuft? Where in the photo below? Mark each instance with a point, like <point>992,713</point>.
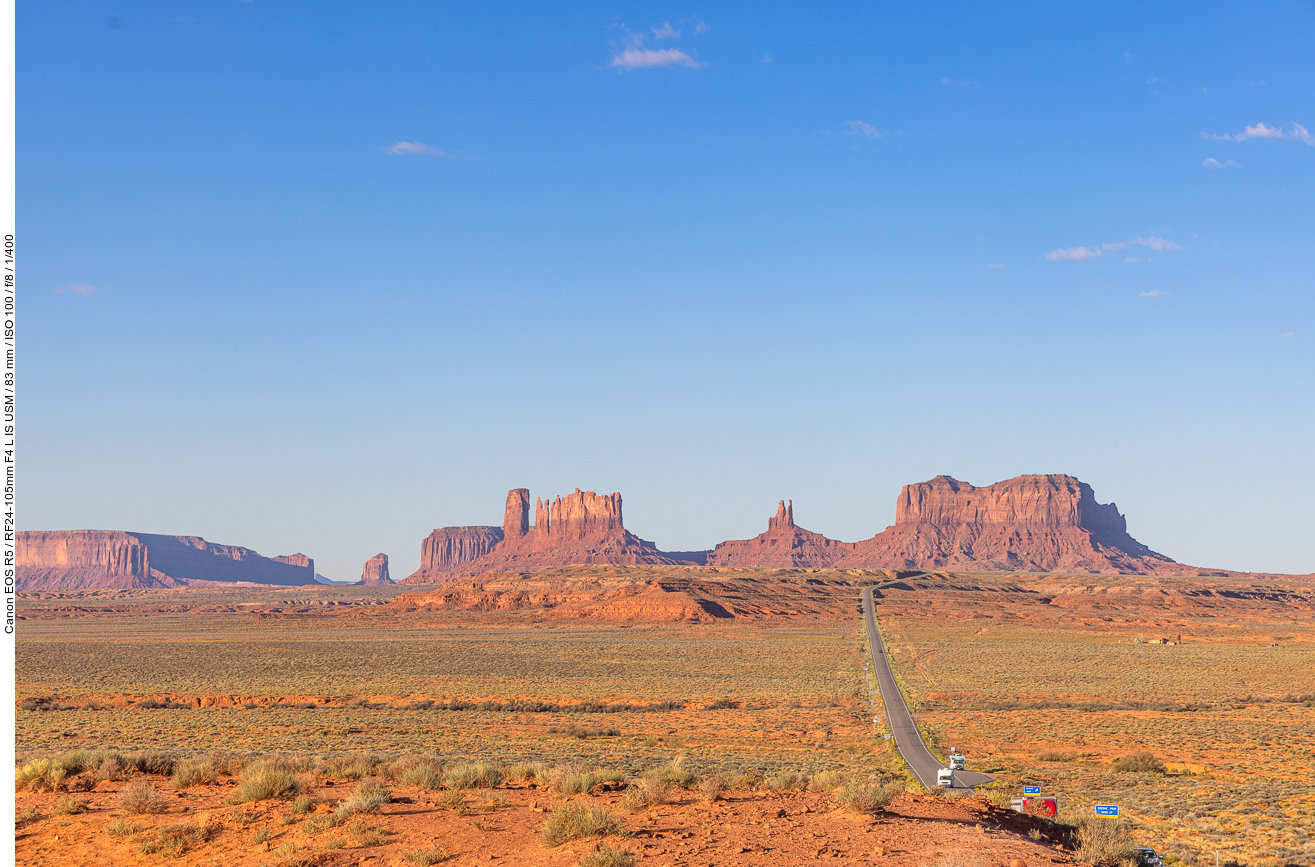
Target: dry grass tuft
<point>172,841</point>
<point>604,855</point>
<point>476,775</point>
<point>578,820</point>
<point>1141,762</point>
<point>265,779</point>
<point>713,787</point>
<point>369,797</point>
<point>1100,840</point>
<point>870,798</point>
<point>425,857</point>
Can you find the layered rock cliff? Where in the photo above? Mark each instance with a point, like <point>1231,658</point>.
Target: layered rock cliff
<point>783,546</point>
<point>1043,523</point>
<point>103,559</point>
<point>375,571</point>
<point>580,528</point>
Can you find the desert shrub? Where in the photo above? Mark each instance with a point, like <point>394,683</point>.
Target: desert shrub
<point>425,857</point>
<point>303,805</point>
<point>870,798</point>
<point>713,787</point>
<point>826,781</point>
<point>428,775</point>
<point>286,849</point>
<point>172,841</point>
<point>319,824</point>
<point>265,779</point>
<point>261,835</point>
<point>352,767</point>
<point>39,775</point>
<point>121,827</point>
<point>1056,756</point>
<point>25,817</point>
<point>188,773</point>
<point>725,703</point>
<point>367,835</point>
<point>750,779</point>
<point>578,820</point>
<point>648,792</point>
<point>604,855</point>
<point>1098,840</point>
<point>476,775</point>
<point>780,781</point>
<point>523,771</point>
<point>111,768</point>
<point>1001,799</point>
<point>139,796</point>
<point>369,797</point>
<point>1141,762</point>
<point>151,762</point>
<point>66,806</point>
<point>675,773</point>
<point>576,780</point>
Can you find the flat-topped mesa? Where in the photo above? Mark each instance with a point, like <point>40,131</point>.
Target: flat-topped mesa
<point>784,546</point>
<point>1037,523</point>
<point>449,547</point>
<point>516,515</point>
<point>103,559</point>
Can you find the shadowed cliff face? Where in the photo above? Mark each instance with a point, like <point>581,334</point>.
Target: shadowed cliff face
<point>375,571</point>
<point>104,559</point>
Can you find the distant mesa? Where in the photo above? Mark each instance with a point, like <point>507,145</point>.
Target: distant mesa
<point>578,529</point>
<point>1033,523</point>
<point>112,559</point>
<point>375,571</point>
<point>1044,523</point>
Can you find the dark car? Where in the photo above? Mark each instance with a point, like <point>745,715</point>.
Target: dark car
<point>1144,856</point>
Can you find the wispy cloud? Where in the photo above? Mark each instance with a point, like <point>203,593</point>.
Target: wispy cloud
<point>77,289</point>
<point>1133,260</point>
<point>1160,245</point>
<point>1288,334</point>
<point>767,58</point>
<point>414,148</point>
<point>1154,293</point>
<point>858,127</point>
<point>991,265</point>
<point>1074,254</point>
<point>959,82</point>
<point>666,31</point>
<point>1213,163</point>
<point>1262,130</point>
<point>651,58</point>
<point>1129,57</point>
<point>1117,245</point>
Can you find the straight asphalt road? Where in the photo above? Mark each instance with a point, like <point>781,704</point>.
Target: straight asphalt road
<point>908,740</point>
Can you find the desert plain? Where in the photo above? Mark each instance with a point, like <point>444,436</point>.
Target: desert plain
<point>712,715</point>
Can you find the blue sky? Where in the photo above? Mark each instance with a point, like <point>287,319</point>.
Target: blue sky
<point>321,277</point>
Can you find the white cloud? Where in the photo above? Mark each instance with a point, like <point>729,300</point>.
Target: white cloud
<point>991,265</point>
<point>1213,163</point>
<point>413,148</point>
<point>1154,293</point>
<point>1133,260</point>
<point>1129,57</point>
<point>651,58</point>
<point>77,289</point>
<point>1074,254</point>
<point>1262,130</point>
<point>858,127</point>
<point>666,31</point>
<point>1158,244</point>
<point>1117,245</point>
<point>1288,334</point>
<point>767,58</point>
<point>959,82</point>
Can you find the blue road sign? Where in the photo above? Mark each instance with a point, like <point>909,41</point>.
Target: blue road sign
<point>1031,790</point>
<point>1107,809</point>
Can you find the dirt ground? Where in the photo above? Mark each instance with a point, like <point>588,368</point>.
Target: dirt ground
<point>502,827</point>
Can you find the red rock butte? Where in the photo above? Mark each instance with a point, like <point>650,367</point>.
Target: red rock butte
<point>1041,523</point>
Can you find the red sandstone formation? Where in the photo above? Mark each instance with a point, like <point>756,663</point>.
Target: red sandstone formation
<point>579,528</point>
<point>375,571</point>
<point>103,559</point>
<point>1048,523</point>
<point>783,546</point>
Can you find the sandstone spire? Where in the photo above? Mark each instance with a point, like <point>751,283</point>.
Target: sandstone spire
<point>516,515</point>
<point>784,519</point>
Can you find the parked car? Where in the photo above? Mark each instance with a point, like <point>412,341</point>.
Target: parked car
<point>1144,856</point>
